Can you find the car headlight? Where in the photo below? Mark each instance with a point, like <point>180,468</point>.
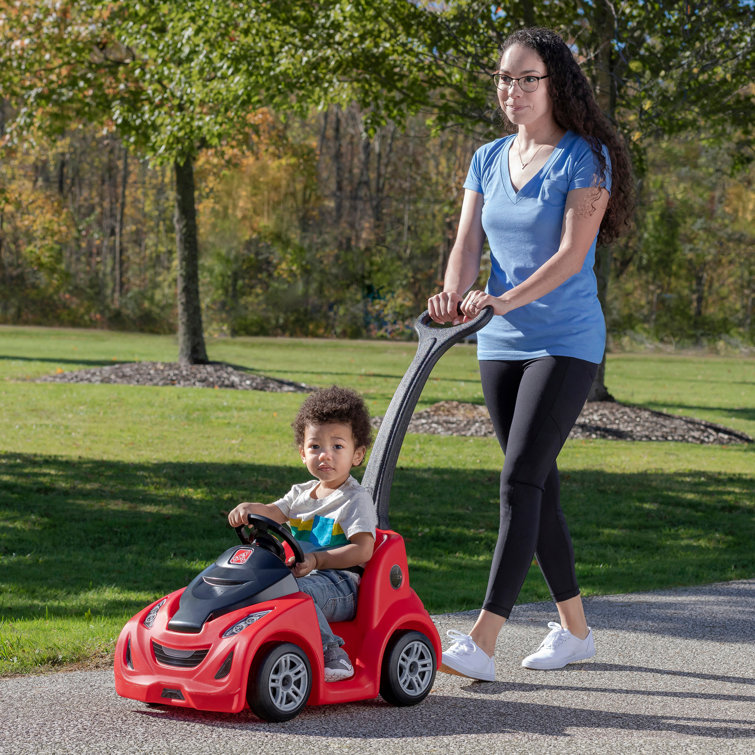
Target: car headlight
<point>149,619</point>
<point>247,621</point>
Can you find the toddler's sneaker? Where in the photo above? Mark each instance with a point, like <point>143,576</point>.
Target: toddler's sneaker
<point>559,648</point>
<point>337,665</point>
<point>466,659</point>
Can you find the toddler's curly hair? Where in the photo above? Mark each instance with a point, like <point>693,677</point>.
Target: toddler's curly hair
<point>334,404</point>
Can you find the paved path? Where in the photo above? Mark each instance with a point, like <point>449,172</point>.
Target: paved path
<point>675,672</point>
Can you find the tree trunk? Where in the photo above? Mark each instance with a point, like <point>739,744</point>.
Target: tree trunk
<point>528,13</point>
<point>338,168</point>
<point>191,348</point>
<point>598,391</point>
<point>118,261</point>
<point>605,94</point>
<point>699,298</point>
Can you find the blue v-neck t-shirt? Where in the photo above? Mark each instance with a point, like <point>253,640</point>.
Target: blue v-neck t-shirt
<point>523,229</point>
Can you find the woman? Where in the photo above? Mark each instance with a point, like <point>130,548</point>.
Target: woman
<point>542,196</point>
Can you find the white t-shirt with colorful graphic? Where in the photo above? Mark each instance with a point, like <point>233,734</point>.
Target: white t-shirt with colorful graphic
<point>325,523</point>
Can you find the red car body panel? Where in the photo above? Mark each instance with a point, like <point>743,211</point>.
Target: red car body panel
<point>387,606</point>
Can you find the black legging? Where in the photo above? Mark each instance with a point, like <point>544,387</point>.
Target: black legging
<point>533,405</point>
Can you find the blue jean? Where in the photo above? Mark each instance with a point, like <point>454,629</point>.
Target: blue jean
<point>334,592</point>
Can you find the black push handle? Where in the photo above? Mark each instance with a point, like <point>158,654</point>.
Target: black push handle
<point>426,327</point>
<point>433,343</point>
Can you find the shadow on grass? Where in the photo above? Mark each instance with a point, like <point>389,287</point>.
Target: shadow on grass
<point>349,375</point>
<point>671,407</point>
<point>62,360</point>
<point>80,535</point>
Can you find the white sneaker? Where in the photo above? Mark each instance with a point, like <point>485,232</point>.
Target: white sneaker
<point>466,659</point>
<point>559,648</point>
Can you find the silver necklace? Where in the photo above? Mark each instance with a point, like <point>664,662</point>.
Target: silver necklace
<point>519,153</point>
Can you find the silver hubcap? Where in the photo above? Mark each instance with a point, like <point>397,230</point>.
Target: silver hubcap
<point>415,668</point>
<point>288,682</point>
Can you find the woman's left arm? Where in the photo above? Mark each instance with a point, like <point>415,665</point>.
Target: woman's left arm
<point>583,214</point>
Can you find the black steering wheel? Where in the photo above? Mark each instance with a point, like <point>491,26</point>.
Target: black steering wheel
<point>270,535</point>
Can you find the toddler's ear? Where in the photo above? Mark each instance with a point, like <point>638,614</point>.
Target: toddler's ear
<point>358,457</point>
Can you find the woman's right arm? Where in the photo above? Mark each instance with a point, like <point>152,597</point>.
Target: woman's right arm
<point>463,262</point>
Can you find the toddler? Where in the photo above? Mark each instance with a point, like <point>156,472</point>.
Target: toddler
<point>332,516</point>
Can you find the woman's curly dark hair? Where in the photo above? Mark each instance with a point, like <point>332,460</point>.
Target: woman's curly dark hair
<point>334,404</point>
<point>575,109</point>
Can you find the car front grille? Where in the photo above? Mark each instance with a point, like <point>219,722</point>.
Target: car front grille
<point>175,657</point>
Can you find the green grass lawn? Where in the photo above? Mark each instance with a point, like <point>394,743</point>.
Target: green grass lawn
<point>111,496</point>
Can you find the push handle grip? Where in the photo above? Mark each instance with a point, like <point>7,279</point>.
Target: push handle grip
<point>433,343</point>
<point>426,327</point>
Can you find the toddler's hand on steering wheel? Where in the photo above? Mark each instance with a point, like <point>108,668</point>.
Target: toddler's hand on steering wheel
<point>303,567</point>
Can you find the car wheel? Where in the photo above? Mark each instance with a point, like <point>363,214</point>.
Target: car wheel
<point>408,671</point>
<point>280,683</point>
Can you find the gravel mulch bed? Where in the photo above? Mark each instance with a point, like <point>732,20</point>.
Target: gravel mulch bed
<point>600,419</point>
<point>212,375</point>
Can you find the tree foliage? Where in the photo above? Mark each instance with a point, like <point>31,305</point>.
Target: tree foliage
<point>173,77</point>
<point>656,67</point>
<point>324,145</point>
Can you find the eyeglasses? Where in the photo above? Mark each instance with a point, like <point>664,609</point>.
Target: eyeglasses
<point>526,83</point>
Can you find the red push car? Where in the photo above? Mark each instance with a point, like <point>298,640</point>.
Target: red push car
<point>241,634</point>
